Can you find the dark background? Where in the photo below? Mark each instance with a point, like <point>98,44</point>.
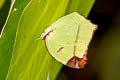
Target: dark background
<point>104,49</point>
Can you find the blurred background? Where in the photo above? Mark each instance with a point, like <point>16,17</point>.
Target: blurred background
<point>104,49</point>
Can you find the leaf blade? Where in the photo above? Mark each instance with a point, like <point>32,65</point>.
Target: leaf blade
<point>34,62</point>
<point>7,37</point>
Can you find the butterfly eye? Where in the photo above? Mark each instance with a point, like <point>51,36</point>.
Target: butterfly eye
<point>42,35</point>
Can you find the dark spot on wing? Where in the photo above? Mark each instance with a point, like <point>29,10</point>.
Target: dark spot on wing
<point>76,62</point>
<point>59,49</point>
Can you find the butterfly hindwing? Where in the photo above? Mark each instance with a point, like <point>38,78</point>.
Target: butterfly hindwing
<point>68,38</point>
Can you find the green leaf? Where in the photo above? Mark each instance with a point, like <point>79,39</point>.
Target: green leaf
<point>8,36</point>
<point>81,6</point>
<point>2,3</point>
<point>54,69</point>
<point>30,59</point>
<point>4,13</point>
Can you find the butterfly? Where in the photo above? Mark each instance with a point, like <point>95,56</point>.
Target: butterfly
<point>68,38</point>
